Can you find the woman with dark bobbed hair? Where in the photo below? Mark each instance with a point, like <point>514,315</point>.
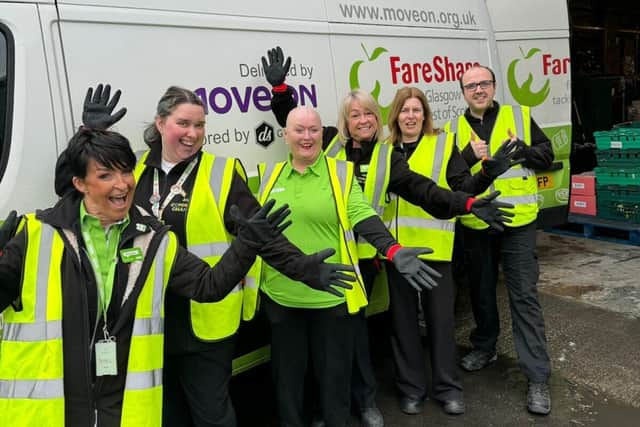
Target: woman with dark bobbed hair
<point>82,289</point>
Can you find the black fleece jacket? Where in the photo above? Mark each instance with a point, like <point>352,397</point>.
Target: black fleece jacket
<point>86,394</point>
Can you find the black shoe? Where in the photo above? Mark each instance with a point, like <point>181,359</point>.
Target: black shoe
<point>538,398</point>
<point>411,405</point>
<point>453,406</point>
<point>477,359</point>
<point>371,417</point>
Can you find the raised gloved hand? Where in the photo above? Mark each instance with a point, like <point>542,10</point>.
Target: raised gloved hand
<point>260,228</point>
<point>502,160</point>
<point>415,271</point>
<point>8,229</point>
<point>323,276</point>
<point>488,210</point>
<point>277,68</point>
<point>520,148</point>
<point>96,113</point>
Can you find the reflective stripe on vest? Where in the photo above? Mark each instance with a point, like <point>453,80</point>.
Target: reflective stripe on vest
<point>412,226</point>
<point>143,385</point>
<point>334,148</point>
<point>517,185</point>
<point>375,185</point>
<point>341,178</point>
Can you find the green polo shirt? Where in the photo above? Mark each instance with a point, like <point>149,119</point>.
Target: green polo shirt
<point>315,226</point>
<point>104,255</point>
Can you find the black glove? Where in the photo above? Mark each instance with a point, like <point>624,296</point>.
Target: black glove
<point>502,160</point>
<point>521,150</point>
<point>488,210</point>
<point>276,70</point>
<point>8,229</point>
<point>325,275</point>
<point>96,113</point>
<point>261,228</point>
<point>415,271</point>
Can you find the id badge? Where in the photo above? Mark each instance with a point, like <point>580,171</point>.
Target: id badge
<point>106,359</point>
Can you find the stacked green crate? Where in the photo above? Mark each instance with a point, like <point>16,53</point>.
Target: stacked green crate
<point>618,174</point>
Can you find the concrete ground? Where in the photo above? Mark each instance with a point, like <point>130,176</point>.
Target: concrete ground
<point>590,293</point>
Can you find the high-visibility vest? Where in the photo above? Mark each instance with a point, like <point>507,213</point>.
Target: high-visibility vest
<point>518,185</point>
<point>208,238</point>
<point>341,178</point>
<point>411,225</point>
<point>375,184</point>
<point>32,362</point>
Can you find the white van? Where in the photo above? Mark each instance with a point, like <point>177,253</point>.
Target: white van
<point>52,51</point>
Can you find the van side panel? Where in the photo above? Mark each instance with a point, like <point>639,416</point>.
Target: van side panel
<point>27,183</point>
<point>533,45</point>
<point>143,52</point>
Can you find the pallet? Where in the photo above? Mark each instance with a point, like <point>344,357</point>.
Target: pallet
<point>601,229</point>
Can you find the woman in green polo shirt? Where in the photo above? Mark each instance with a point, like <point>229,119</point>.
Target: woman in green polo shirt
<point>327,206</point>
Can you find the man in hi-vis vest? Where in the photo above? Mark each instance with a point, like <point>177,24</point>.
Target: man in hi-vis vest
<point>479,133</point>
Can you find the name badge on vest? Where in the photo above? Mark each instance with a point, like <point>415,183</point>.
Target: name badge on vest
<point>106,358</point>
<point>130,255</point>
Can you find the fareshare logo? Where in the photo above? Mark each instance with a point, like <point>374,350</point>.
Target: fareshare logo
<point>523,93</point>
<point>354,79</point>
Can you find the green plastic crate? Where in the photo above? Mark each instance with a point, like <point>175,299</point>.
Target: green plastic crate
<point>619,159</point>
<point>619,204</point>
<point>613,176</point>
<point>621,138</point>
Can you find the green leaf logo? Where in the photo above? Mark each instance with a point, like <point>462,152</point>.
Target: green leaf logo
<point>354,79</point>
<point>522,93</point>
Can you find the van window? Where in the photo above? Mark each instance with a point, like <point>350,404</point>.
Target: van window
<point>6,89</point>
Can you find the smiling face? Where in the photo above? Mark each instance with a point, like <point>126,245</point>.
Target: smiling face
<point>479,99</point>
<point>411,119</point>
<point>182,132</point>
<point>303,135</point>
<point>361,122</point>
<point>108,193</point>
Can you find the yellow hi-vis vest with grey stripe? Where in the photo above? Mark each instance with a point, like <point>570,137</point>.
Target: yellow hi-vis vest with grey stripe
<point>375,184</point>
<point>341,178</point>
<point>518,185</point>
<point>208,238</point>
<point>411,225</point>
<point>32,361</point>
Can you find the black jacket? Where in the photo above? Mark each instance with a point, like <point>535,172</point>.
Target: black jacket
<point>190,278</point>
<point>413,187</point>
<point>539,155</point>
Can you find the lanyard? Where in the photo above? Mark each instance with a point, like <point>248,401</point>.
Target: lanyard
<point>176,189</point>
<point>104,288</point>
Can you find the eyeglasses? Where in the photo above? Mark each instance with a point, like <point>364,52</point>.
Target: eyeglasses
<point>483,85</point>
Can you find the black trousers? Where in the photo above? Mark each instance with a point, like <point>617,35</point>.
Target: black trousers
<point>406,343</point>
<point>325,338</point>
<point>196,387</point>
<point>516,248</point>
<point>363,379</point>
